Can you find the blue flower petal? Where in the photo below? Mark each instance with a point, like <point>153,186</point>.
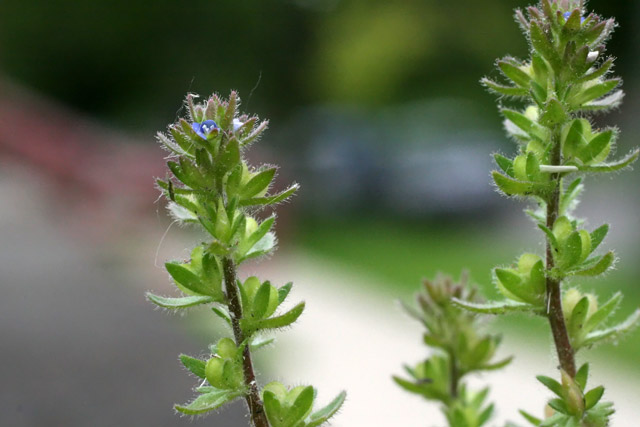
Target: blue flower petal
<point>204,128</point>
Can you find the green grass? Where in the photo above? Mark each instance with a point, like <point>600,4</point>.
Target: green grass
<point>400,254</point>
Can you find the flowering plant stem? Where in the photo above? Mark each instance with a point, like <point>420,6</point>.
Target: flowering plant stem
<point>553,294</point>
<point>258,417</point>
<point>215,189</point>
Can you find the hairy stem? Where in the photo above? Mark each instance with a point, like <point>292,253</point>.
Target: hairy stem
<point>258,416</point>
<point>554,297</point>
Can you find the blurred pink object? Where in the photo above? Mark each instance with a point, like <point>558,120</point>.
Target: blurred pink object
<point>93,168</point>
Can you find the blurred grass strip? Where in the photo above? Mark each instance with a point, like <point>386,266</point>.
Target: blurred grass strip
<point>400,254</point>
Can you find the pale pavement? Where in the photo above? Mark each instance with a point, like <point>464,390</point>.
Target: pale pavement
<point>356,340</point>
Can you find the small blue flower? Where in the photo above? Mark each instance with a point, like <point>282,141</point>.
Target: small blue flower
<point>204,128</point>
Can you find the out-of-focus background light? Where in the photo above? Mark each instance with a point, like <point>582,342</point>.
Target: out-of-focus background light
<point>375,109</point>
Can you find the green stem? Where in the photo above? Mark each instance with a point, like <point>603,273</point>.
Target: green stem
<point>553,294</point>
<point>256,408</point>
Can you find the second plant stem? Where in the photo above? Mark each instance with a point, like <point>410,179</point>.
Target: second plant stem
<point>553,292</point>
<point>258,416</point>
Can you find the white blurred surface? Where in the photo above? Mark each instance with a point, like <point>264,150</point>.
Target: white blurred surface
<point>352,340</point>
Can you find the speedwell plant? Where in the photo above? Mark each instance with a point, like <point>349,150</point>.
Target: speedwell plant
<point>460,348</point>
<point>566,79</point>
<point>213,187</point>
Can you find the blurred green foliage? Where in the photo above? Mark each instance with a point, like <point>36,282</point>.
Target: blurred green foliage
<point>409,251</point>
<point>128,61</point>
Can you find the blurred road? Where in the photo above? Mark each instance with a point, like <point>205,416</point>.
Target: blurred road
<point>79,345</point>
<point>356,340</point>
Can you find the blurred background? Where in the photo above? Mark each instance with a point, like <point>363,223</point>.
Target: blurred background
<point>375,109</point>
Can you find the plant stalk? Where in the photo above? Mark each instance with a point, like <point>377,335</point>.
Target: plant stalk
<point>554,296</point>
<point>256,408</point>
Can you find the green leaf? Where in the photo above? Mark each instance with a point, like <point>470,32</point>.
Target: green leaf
<point>208,402</point>
<point>550,236</point>
<point>181,213</point>
<point>559,405</point>
<point>281,321</point>
<point>598,72</point>
<point>533,420</point>
<point>604,312</point>
<point>551,384</point>
<point>572,25</point>
<point>188,131</point>
<point>169,145</point>
<point>261,231</point>
<point>324,414</point>
<point>538,93</point>
<point>594,92</point>
<point>592,397</point>
<point>532,128</point>
<point>196,366</point>
<point>598,148</point>
<point>606,103</point>
<point>300,408</point>
<point>485,415</point>
<point>181,175</point>
<point>230,113</point>
<point>204,162</point>
<point>615,331</point>
<point>513,283</point>
<point>495,307</point>
<point>569,197</point>
<point>602,265</point>
<point>186,280</point>
<point>614,166</point>
<point>258,183</point>
<point>498,365</point>
<point>255,133</point>
<point>195,178</point>
<point>261,301</point>
<point>513,72</point>
<point>260,342</point>
<point>283,292</point>
<point>553,113</point>
<point>539,67</point>
<point>571,251</point>
<point>263,247</point>
<point>228,158</point>
<point>578,317</point>
<point>222,313</point>
<point>594,33</point>
<point>505,164</point>
<point>409,385</point>
<point>233,180</point>
<point>582,376</point>
<point>532,167</point>
<point>270,200</point>
<point>576,136</point>
<point>512,187</point>
<point>272,407</point>
<point>182,140</point>
<point>503,90</point>
<point>182,302</point>
<point>598,235</point>
<point>543,46</point>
